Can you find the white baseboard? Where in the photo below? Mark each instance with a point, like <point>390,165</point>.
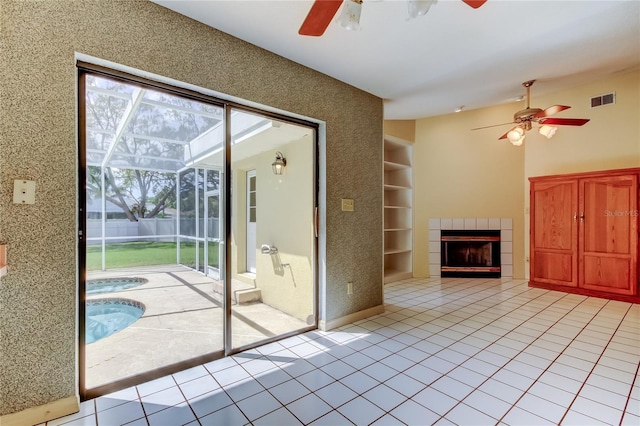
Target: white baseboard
<point>348,319</point>
<point>42,413</point>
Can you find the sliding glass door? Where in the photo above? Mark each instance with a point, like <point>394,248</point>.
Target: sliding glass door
<point>196,229</point>
<point>146,305</point>
<point>273,243</point>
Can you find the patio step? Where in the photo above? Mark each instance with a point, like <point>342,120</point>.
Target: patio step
<point>252,295</point>
<point>242,293</point>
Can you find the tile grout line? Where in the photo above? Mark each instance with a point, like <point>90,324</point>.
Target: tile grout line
<point>596,362</point>
<point>451,312</point>
<point>357,370</point>
<point>568,408</point>
<point>444,329</point>
<point>461,401</point>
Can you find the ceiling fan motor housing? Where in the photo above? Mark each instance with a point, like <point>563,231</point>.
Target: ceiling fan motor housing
<point>526,116</point>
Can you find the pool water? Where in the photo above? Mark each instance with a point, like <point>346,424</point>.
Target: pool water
<point>110,285</point>
<point>108,316</point>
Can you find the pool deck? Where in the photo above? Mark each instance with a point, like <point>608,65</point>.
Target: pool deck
<point>183,320</point>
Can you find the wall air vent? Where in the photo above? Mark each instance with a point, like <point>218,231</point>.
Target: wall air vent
<point>606,99</point>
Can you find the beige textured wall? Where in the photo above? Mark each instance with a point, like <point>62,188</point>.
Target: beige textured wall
<point>460,173</point>
<point>38,142</point>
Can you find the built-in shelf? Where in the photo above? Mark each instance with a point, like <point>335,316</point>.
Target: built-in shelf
<point>391,275</point>
<point>398,209</point>
<point>396,187</point>
<point>395,251</point>
<point>3,260</point>
<point>389,166</point>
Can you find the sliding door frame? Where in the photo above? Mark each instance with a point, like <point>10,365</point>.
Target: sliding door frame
<point>86,68</point>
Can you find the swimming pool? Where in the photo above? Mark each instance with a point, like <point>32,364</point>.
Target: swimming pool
<point>109,285</point>
<point>108,316</point>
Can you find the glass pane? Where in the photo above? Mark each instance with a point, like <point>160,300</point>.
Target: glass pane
<point>188,253</point>
<point>279,297</point>
<point>200,190</point>
<point>187,211</point>
<point>160,131</point>
<point>213,180</point>
<point>142,311</point>
<point>201,263</point>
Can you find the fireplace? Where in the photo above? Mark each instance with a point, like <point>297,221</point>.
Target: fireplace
<point>470,253</point>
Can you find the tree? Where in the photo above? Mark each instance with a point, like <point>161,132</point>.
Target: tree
<point>134,190</point>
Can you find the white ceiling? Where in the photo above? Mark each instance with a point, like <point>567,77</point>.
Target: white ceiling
<point>452,56</point>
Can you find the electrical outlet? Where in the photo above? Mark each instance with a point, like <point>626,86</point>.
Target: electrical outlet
<point>24,191</point>
<point>348,205</point>
<point>349,288</point>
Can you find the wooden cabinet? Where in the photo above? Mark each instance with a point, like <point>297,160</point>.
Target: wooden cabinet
<point>398,203</point>
<point>584,233</point>
<point>554,232</point>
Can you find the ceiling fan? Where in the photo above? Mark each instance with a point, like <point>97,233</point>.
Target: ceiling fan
<point>523,120</point>
<point>323,11</point>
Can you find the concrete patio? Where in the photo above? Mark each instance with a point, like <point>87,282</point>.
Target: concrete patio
<point>183,320</point>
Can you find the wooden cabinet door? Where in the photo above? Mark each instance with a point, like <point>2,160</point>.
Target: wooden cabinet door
<point>609,234</point>
<point>554,232</point>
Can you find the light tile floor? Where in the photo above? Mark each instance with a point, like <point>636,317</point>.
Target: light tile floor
<point>446,351</point>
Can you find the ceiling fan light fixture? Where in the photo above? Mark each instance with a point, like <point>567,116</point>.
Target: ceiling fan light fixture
<point>516,136</point>
<point>350,16</point>
<point>518,142</point>
<point>419,7</point>
<point>547,131</point>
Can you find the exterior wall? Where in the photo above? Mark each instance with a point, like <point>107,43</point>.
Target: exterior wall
<point>285,220</point>
<point>38,141</point>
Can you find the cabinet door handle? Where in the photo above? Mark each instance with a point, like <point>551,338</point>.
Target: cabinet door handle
<point>581,216</point>
<point>575,216</point>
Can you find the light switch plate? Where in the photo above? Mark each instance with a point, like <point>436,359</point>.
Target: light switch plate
<point>24,191</point>
<point>348,205</point>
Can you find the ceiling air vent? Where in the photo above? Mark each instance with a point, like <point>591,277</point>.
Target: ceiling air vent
<point>609,98</point>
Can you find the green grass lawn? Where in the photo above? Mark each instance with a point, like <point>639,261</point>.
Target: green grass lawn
<point>125,255</point>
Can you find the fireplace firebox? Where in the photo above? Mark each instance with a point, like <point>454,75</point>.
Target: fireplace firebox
<point>470,253</point>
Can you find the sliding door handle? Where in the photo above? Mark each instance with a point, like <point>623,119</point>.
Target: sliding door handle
<point>315,222</point>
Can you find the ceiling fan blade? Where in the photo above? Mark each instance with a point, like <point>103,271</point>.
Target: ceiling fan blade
<point>505,135</point>
<point>475,3</point>
<point>564,121</point>
<point>319,17</point>
<point>493,125</point>
<point>551,110</point>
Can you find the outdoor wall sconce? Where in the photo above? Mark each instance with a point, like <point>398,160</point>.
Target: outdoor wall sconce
<point>279,164</point>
